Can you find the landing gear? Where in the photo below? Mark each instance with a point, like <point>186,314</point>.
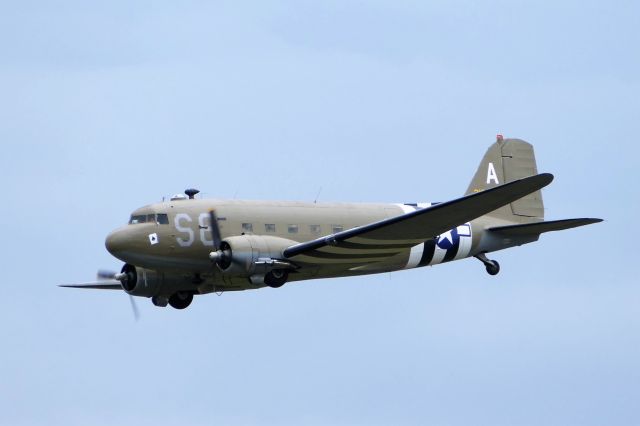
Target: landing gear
<point>276,278</point>
<point>492,266</point>
<point>160,301</point>
<point>181,300</point>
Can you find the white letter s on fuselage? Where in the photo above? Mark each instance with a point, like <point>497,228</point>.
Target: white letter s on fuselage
<point>185,229</point>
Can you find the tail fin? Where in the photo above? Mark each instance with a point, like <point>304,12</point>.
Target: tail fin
<point>505,161</point>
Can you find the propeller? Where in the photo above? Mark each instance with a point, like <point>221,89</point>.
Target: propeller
<point>110,275</point>
<point>218,255</point>
<point>122,277</point>
<point>134,308</point>
<point>215,230</point>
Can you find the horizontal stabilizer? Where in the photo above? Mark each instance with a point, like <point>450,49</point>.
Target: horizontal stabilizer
<point>98,285</point>
<point>540,227</point>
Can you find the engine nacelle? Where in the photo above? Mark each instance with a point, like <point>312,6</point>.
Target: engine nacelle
<point>247,255</point>
<point>141,281</point>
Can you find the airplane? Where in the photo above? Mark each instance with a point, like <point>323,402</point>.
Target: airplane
<point>190,246</point>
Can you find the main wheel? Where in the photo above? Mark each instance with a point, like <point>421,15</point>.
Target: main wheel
<point>160,301</point>
<point>493,267</point>
<point>181,299</point>
<point>276,278</point>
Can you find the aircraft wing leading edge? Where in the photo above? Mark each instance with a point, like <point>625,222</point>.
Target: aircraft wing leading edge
<point>412,228</point>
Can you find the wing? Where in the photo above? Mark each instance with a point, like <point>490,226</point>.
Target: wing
<point>379,240</point>
<point>98,285</point>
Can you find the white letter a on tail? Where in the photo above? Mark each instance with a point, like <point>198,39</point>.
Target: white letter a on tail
<point>491,175</point>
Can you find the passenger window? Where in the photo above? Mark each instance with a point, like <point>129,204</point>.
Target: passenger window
<point>293,229</point>
<point>315,229</point>
<point>163,219</point>
<point>337,228</point>
<point>247,227</point>
<point>269,227</point>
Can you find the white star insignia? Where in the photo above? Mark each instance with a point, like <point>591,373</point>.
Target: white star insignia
<point>446,236</point>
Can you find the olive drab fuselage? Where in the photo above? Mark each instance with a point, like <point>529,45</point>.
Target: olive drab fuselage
<point>180,245</point>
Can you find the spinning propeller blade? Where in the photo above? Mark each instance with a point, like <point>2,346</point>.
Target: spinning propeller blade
<point>134,308</point>
<point>219,256</point>
<point>106,275</point>
<point>215,230</point>
<point>119,276</point>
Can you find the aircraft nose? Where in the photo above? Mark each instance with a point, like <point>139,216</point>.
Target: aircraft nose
<point>116,242</point>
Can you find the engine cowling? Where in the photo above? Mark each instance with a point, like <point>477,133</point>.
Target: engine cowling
<point>141,281</point>
<point>247,255</point>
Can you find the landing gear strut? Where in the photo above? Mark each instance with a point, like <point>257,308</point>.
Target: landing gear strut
<point>492,266</point>
<point>181,299</point>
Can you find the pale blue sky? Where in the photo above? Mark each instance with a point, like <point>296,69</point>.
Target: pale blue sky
<point>106,107</point>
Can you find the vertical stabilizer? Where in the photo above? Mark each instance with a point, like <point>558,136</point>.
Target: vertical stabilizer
<point>505,161</point>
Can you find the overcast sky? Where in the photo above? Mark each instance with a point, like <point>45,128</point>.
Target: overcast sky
<point>105,107</point>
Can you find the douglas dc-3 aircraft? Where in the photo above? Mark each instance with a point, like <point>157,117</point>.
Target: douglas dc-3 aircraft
<point>186,246</point>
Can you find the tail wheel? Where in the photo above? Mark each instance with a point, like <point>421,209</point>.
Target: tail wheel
<point>181,299</point>
<point>493,267</point>
<point>276,278</point>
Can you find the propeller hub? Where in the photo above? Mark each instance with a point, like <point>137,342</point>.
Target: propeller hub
<point>128,277</point>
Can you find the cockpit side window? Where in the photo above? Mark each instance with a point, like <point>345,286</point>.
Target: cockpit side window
<point>142,218</point>
<point>160,218</point>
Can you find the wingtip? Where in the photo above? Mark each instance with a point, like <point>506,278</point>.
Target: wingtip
<point>548,177</point>
<point>589,220</point>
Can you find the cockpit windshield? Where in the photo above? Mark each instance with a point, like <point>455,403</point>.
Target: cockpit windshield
<point>159,218</point>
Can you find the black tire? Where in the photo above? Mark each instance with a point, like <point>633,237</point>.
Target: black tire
<point>276,278</point>
<point>160,301</point>
<point>493,267</point>
<point>181,300</point>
